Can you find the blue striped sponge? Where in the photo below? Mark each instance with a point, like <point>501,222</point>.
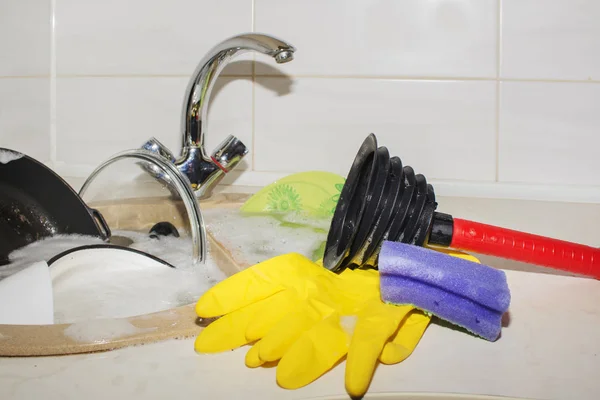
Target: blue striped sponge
<point>464,293</point>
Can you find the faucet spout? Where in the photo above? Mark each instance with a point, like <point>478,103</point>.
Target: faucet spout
<point>204,171</point>
<point>198,91</point>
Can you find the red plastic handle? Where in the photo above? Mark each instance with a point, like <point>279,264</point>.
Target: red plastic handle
<point>539,250</point>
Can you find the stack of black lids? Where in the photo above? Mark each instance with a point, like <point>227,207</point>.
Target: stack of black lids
<point>381,200</point>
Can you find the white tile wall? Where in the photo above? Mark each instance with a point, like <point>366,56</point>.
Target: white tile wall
<point>440,128</point>
<point>97,117</point>
<point>93,112</point>
<point>25,116</point>
<point>25,37</point>
<point>551,39</point>
<point>549,133</point>
<point>385,37</point>
<point>129,37</point>
<point>484,97</point>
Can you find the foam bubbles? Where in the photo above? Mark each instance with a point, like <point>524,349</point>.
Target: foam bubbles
<point>7,156</point>
<point>255,238</point>
<point>123,292</point>
<point>102,331</point>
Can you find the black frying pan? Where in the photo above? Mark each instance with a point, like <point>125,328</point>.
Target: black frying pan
<point>36,203</point>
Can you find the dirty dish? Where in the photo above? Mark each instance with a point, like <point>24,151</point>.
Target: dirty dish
<point>301,200</point>
<point>173,323</point>
<point>314,193</point>
<point>108,281</point>
<point>26,297</point>
<point>103,255</point>
<point>36,203</point>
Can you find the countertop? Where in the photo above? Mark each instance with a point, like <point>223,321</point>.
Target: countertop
<point>548,350</point>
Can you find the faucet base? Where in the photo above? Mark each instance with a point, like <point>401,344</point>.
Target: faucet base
<point>202,172</point>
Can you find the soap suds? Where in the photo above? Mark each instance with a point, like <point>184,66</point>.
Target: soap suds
<point>7,156</point>
<point>255,238</point>
<point>44,249</point>
<point>119,291</point>
<point>348,323</point>
<point>122,291</point>
<point>102,331</point>
<point>176,251</point>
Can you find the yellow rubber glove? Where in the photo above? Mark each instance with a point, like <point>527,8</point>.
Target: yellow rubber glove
<point>370,331</point>
<point>382,332</point>
<point>281,295</point>
<point>309,318</point>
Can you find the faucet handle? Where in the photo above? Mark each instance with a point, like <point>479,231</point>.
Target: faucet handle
<point>157,147</point>
<point>229,153</point>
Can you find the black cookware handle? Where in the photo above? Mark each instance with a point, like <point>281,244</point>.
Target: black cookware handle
<point>102,222</point>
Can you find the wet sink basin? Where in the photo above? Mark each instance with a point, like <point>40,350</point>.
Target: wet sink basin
<point>97,334</point>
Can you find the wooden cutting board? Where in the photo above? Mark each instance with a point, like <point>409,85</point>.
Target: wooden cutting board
<point>109,334</point>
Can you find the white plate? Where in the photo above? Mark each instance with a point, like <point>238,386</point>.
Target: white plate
<point>103,257</point>
<point>107,281</point>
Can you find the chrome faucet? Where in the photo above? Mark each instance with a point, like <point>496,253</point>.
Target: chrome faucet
<point>204,171</point>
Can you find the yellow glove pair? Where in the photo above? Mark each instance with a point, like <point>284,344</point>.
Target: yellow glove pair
<point>308,318</point>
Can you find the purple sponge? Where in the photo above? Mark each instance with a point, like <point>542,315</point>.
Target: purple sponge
<point>462,292</point>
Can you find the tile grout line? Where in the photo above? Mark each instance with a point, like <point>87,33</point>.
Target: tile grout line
<point>498,66</point>
<point>47,76</point>
<point>253,97</point>
<point>541,80</point>
<point>286,76</point>
<point>53,133</point>
<point>457,180</point>
<point>381,77</point>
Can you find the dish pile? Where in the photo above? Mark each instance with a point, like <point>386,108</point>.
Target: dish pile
<point>103,261</point>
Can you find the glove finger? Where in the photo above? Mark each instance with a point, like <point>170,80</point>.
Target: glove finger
<point>285,332</point>
<point>252,358</point>
<point>405,340</point>
<point>229,331</point>
<point>276,308</point>
<point>376,323</point>
<point>314,353</point>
